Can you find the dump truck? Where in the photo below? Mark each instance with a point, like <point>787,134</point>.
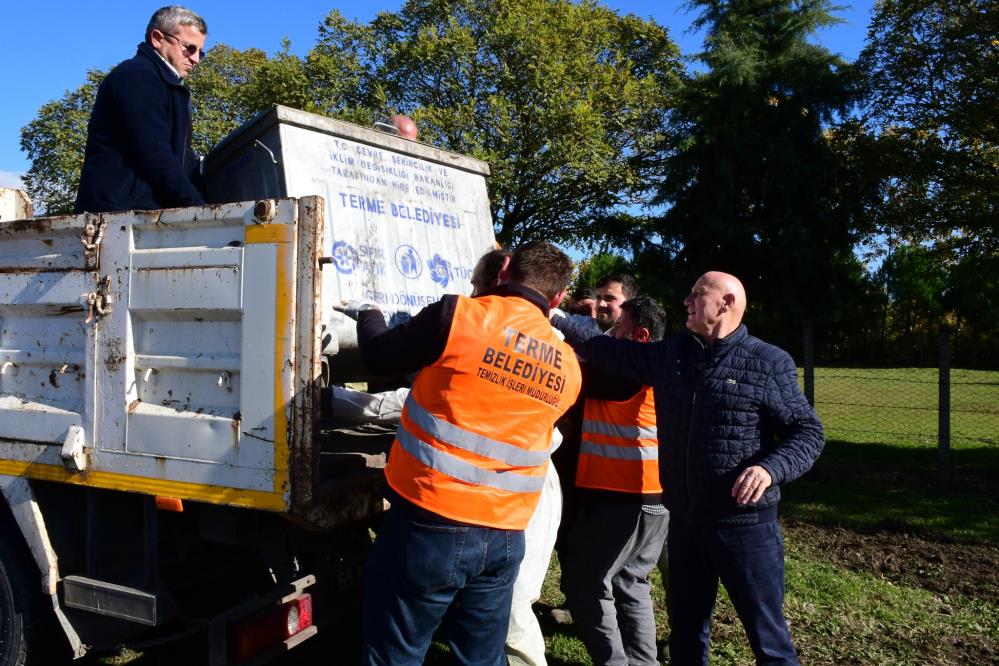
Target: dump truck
<point>166,463</point>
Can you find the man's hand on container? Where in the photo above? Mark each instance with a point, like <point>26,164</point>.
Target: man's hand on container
<point>751,485</point>
<point>351,308</point>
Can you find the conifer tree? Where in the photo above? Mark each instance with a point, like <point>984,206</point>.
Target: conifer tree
<point>753,184</point>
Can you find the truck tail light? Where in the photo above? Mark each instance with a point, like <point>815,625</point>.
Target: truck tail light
<point>268,631</point>
<point>298,615</point>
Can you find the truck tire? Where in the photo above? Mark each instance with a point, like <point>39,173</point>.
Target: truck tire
<point>19,605</point>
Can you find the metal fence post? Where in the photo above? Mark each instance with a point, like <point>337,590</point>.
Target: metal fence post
<point>943,407</point>
<point>808,361</point>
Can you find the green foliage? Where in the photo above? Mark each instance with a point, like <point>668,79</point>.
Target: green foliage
<point>933,69</point>
<point>283,79</point>
<point>566,101</point>
<point>591,270</point>
<point>915,280</point>
<point>228,88</point>
<point>340,71</point>
<point>933,77</point>
<point>753,184</point>
<point>973,298</point>
<point>219,92</point>
<point>54,143</point>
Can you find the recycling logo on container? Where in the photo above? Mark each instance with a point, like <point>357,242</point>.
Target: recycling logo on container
<point>440,270</point>
<point>344,257</point>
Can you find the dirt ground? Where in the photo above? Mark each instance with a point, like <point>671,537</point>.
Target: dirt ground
<point>895,552</point>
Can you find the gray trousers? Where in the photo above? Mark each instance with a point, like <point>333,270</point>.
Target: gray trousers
<point>610,551</point>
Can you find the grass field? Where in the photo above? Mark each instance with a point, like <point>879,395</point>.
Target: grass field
<point>899,405</point>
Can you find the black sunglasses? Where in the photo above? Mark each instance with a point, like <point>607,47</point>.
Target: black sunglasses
<point>187,49</point>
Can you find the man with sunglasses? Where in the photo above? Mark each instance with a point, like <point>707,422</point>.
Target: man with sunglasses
<point>138,154</point>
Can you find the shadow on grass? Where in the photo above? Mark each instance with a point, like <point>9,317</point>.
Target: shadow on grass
<point>879,486</point>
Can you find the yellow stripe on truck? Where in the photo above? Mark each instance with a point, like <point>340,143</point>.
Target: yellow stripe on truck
<point>283,235</point>
<point>253,499</point>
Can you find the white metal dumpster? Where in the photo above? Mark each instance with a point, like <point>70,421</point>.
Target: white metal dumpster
<point>405,222</point>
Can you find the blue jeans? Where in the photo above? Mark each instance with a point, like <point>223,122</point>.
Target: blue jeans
<point>749,560</point>
<point>421,568</point>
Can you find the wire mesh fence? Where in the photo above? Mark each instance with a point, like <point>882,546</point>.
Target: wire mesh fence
<point>905,406</point>
<point>900,406</point>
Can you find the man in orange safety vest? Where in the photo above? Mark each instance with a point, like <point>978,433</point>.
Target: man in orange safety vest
<point>469,459</point>
<point>620,525</point>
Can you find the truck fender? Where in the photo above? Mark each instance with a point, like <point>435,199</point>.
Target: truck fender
<point>27,515</point>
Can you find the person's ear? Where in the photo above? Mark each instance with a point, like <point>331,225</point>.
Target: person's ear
<point>558,298</point>
<point>504,272</point>
<point>641,334</point>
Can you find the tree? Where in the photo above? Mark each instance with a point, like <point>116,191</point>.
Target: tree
<point>915,281</point>
<point>933,70</point>
<point>591,270</point>
<point>933,74</point>
<point>220,94</point>
<point>973,299</point>
<point>54,142</point>
<point>753,183</point>
<point>566,101</point>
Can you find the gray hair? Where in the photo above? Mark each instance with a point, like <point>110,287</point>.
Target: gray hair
<point>166,20</point>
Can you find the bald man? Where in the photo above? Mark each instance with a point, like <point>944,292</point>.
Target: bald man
<point>733,426</point>
<point>405,126</point>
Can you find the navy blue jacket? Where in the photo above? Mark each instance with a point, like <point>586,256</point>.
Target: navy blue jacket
<point>719,410</point>
<point>138,152</point>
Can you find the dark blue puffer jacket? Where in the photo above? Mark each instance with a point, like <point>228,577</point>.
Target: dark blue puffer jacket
<point>719,410</point>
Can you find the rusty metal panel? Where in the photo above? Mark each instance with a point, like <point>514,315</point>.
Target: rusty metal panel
<point>14,205</point>
<point>45,388</point>
<point>305,450</point>
<point>167,349</point>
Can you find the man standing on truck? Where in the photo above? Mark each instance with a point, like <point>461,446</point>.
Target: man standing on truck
<point>468,463</point>
<point>138,154</point>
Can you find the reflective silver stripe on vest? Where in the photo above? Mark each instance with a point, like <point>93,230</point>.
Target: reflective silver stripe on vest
<point>622,431</point>
<point>619,452</point>
<point>445,463</point>
<point>469,441</point>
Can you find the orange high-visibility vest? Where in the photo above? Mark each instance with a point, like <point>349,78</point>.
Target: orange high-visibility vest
<point>474,439</point>
<point>619,450</point>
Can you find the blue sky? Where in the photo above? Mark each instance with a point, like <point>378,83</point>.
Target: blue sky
<point>50,45</point>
